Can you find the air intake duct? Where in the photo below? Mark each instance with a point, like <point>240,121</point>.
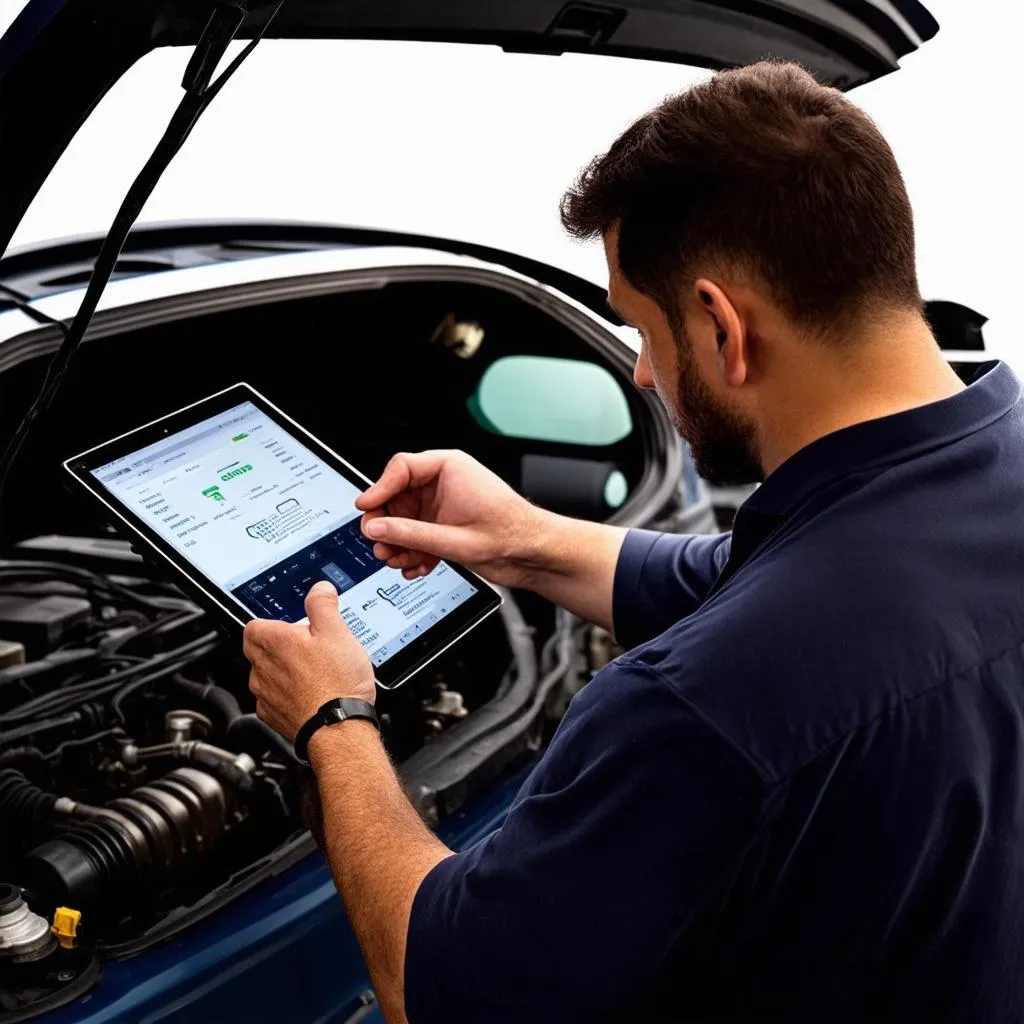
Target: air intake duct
<point>106,855</point>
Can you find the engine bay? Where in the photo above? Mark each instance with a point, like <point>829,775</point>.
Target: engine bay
<point>137,786</point>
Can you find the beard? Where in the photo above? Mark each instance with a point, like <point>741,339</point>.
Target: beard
<point>722,442</point>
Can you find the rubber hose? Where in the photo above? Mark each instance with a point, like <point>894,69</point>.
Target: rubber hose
<point>255,737</point>
<point>22,800</point>
<point>16,754</point>
<point>217,697</point>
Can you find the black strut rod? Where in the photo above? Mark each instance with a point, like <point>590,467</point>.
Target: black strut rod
<point>199,93</point>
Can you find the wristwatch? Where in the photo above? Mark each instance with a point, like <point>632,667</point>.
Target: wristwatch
<point>333,711</point>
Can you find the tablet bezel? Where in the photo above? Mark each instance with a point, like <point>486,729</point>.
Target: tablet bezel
<point>393,672</point>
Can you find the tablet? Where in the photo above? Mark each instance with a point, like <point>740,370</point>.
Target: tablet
<point>248,510</point>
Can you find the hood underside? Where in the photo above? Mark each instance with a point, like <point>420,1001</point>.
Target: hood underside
<point>60,57</point>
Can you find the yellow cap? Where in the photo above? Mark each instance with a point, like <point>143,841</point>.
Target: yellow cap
<point>65,926</point>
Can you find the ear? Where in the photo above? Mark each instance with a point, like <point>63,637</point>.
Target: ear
<point>728,330</point>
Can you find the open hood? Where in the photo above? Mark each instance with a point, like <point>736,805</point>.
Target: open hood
<point>60,57</point>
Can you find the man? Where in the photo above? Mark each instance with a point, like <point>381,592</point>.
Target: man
<point>799,795</point>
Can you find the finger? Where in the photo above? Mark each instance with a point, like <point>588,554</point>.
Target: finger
<point>374,513</point>
<point>418,571</point>
<point>421,568</point>
<point>255,684</point>
<point>403,471</point>
<point>406,560</point>
<point>430,538</point>
<point>395,510</point>
<point>407,505</point>
<point>253,640</point>
<point>266,638</point>
<point>381,551</point>
<point>322,608</point>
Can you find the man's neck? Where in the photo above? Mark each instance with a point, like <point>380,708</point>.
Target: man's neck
<point>888,369</point>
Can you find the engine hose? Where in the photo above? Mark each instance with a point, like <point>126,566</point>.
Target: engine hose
<point>254,736</point>
<point>21,800</point>
<point>234,770</point>
<point>249,732</point>
<point>14,755</point>
<point>217,697</point>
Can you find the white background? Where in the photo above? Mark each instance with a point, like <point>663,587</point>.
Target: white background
<point>473,143</point>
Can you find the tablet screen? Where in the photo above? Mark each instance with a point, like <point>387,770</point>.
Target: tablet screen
<point>264,518</point>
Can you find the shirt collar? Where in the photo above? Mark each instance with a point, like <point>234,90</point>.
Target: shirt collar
<point>994,392</point>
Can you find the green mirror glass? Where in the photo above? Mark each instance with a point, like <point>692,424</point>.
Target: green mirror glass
<point>542,398</point>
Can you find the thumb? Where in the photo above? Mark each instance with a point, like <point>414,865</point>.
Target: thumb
<point>414,535</point>
<point>322,608</point>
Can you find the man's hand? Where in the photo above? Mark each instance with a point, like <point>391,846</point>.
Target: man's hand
<point>296,668</point>
<point>444,504</point>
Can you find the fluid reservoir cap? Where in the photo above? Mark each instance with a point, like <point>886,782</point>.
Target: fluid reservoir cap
<point>24,936</point>
<point>65,926</point>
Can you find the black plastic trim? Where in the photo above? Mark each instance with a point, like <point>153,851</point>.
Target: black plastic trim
<point>70,993</point>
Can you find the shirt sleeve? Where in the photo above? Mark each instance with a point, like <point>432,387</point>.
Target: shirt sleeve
<point>661,578</point>
<point>632,825</point>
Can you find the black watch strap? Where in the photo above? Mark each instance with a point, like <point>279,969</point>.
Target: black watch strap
<point>333,711</point>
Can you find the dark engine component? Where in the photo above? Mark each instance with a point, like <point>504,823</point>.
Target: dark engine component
<point>574,487</point>
<point>139,792</point>
<point>40,623</point>
<point>156,833</point>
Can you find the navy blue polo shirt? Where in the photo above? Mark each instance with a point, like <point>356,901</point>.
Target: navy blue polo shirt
<point>799,795</point>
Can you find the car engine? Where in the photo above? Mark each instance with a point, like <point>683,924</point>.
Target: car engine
<point>138,790</point>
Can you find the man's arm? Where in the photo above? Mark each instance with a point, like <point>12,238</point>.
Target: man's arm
<point>442,504</point>
<point>435,505</point>
<point>572,563</point>
<point>378,849</point>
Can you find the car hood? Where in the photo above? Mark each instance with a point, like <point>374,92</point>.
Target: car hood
<point>60,57</point>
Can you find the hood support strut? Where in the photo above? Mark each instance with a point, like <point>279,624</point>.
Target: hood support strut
<point>200,89</point>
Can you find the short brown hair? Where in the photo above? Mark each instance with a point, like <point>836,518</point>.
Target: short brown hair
<point>761,169</point>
